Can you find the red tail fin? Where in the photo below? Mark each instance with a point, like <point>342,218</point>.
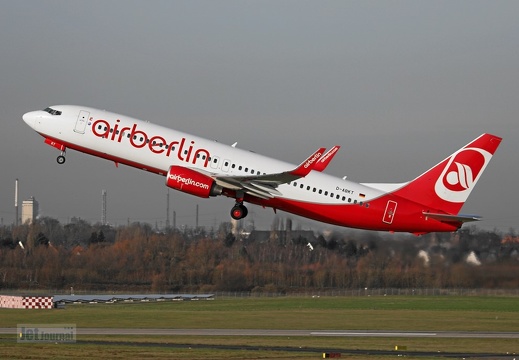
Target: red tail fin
<point>446,186</point>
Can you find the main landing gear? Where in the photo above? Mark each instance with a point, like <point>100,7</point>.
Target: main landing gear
<point>239,211</point>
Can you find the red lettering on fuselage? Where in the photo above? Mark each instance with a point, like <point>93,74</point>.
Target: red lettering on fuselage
<point>156,144</point>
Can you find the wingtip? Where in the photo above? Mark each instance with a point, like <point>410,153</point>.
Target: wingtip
<point>308,165</point>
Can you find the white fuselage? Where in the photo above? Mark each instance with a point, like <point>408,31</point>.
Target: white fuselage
<point>428,203</point>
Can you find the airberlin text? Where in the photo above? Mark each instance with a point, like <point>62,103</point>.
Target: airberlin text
<point>156,143</point>
<point>188,181</point>
<point>312,160</point>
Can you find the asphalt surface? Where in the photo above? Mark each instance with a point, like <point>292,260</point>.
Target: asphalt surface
<point>294,333</point>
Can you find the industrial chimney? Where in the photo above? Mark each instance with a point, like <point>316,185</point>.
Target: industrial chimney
<point>16,202</point>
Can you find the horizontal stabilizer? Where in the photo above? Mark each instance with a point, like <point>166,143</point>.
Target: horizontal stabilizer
<point>452,218</point>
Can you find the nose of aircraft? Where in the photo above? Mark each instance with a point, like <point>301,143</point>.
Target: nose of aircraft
<point>30,118</point>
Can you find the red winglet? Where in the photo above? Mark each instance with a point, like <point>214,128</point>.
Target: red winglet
<point>325,160</point>
<point>308,165</point>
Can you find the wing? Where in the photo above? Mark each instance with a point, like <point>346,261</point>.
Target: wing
<point>265,186</point>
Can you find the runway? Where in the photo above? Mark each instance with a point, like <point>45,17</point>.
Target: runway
<point>293,333</point>
<point>290,333</point>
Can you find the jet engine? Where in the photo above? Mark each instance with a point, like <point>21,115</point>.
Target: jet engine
<point>192,182</point>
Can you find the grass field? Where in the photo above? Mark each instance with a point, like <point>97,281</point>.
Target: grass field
<point>413,313</point>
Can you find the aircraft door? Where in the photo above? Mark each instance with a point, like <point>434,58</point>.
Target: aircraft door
<point>81,121</point>
<point>389,214</point>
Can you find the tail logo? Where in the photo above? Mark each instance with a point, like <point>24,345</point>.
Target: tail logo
<point>460,177</point>
<point>461,173</point>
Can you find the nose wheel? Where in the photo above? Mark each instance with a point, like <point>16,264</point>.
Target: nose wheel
<point>239,211</point>
<point>61,159</point>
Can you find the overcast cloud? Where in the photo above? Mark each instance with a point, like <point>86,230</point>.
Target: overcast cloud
<point>399,85</point>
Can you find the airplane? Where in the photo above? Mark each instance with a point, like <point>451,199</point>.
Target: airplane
<point>205,168</point>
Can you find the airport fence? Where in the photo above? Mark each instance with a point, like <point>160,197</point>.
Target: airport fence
<point>303,293</point>
<point>377,292</point>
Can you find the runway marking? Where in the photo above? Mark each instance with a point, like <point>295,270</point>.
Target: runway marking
<point>372,334</point>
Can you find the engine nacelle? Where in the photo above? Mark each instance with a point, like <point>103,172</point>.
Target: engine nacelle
<point>191,182</point>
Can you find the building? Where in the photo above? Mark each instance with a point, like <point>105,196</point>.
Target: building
<point>29,210</point>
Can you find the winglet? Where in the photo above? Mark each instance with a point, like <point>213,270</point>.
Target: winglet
<point>308,165</point>
<point>325,160</point>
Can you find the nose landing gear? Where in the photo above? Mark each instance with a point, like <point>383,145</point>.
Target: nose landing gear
<point>61,159</point>
<point>60,147</point>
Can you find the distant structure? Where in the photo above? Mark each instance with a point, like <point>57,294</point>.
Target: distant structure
<point>103,210</point>
<point>29,210</point>
<point>16,202</point>
<point>167,210</point>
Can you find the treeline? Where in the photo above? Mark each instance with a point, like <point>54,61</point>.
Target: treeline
<point>47,255</point>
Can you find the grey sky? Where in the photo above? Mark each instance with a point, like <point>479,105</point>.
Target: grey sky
<point>399,85</point>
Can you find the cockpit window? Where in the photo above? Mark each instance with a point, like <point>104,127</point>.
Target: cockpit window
<point>52,111</point>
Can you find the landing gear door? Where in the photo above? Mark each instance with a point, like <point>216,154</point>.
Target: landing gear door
<point>389,214</point>
<point>81,122</point>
